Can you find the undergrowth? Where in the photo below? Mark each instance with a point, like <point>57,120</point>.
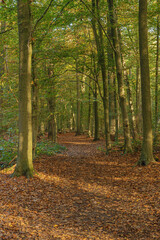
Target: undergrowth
<point>9,149</point>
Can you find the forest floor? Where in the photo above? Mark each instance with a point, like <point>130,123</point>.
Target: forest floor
<point>82,194</point>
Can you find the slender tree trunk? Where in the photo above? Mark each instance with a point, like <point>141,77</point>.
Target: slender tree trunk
<point>2,69</point>
<point>112,123</point>
<point>89,109</point>
<point>35,107</point>
<point>52,123</point>
<point>157,74</point>
<point>116,110</point>
<point>138,100</point>
<point>2,57</point>
<point>24,163</point>
<point>78,132</point>
<point>96,117</point>
<point>101,59</point>
<point>121,90</point>
<point>147,147</point>
<point>131,110</point>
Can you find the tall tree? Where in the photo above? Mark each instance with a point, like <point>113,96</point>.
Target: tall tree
<point>24,162</point>
<point>157,67</point>
<point>78,132</point>
<point>102,62</point>
<point>121,90</point>
<point>147,147</point>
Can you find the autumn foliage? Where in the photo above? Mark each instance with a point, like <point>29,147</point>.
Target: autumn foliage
<point>82,193</point>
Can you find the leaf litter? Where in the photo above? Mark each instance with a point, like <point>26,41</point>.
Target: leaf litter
<point>82,194</point>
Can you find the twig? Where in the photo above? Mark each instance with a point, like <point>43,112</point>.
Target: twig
<point>12,160</point>
<point>7,30</point>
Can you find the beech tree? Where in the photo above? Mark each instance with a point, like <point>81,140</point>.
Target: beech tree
<point>121,90</point>
<point>24,162</point>
<point>147,147</point>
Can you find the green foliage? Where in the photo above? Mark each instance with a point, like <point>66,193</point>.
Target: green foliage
<point>9,147</point>
<point>101,149</point>
<point>48,148</point>
<point>8,151</point>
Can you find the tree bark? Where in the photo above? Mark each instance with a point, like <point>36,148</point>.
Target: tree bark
<point>24,162</point>
<point>78,132</point>
<point>131,108</point>
<point>111,78</point>
<point>52,123</point>
<point>35,106</point>
<point>138,100</point>
<point>101,60</point>
<point>147,147</point>
<point>121,90</point>
<point>157,77</point>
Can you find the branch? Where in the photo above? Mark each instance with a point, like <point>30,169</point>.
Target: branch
<point>99,88</point>
<point>42,16</point>
<point>109,40</point>
<point>6,30</point>
<point>58,15</point>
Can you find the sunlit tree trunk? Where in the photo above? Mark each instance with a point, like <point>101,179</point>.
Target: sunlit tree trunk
<point>147,147</point>
<point>132,118</point>
<point>121,90</point>
<point>24,163</point>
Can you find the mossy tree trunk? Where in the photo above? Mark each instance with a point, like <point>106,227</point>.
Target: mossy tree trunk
<point>147,147</point>
<point>24,162</point>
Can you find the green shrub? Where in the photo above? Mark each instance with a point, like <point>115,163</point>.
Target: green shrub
<point>48,148</point>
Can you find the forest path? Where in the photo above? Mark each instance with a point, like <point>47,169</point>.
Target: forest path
<point>80,146</point>
<point>80,194</point>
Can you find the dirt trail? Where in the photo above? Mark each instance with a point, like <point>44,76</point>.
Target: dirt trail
<point>80,146</point>
<point>82,194</point>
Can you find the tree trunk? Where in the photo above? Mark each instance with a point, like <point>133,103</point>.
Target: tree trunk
<point>78,132</point>
<point>111,76</point>
<point>131,110</point>
<point>101,60</point>
<point>89,109</point>
<point>138,100</point>
<point>35,107</point>
<point>157,77</point>
<point>147,147</point>
<point>121,90</point>
<point>24,163</point>
<point>96,117</point>
<point>52,123</point>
